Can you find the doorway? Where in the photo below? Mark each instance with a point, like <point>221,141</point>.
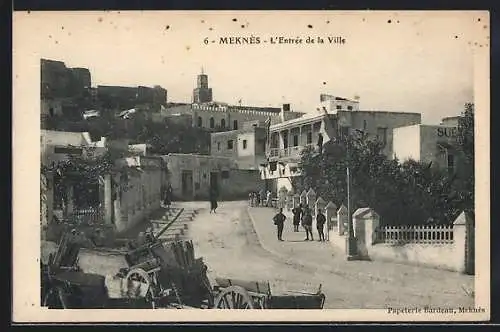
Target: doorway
<point>187,184</point>
<point>214,180</point>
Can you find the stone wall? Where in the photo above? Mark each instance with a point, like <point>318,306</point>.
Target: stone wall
<point>448,247</point>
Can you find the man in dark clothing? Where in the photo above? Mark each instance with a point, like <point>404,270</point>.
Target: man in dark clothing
<point>213,199</point>
<point>168,196</point>
<point>320,143</point>
<point>307,223</point>
<point>279,221</point>
<point>320,223</point>
<point>297,212</point>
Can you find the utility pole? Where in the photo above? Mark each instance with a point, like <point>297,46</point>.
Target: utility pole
<point>351,241</point>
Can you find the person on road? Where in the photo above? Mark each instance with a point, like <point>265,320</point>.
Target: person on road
<point>213,199</point>
<point>279,221</point>
<point>168,196</point>
<point>307,223</point>
<point>320,224</point>
<point>250,199</point>
<point>268,199</point>
<point>297,213</point>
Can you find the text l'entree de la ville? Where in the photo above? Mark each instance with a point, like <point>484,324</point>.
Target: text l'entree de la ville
<point>276,40</point>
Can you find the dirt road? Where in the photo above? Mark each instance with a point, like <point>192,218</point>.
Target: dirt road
<point>230,248</point>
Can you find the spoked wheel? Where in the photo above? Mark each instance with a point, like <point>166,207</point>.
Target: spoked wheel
<point>234,297</point>
<point>136,280</point>
<point>55,299</point>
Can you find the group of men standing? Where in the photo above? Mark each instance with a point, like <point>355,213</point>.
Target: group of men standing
<point>262,198</point>
<point>302,215</point>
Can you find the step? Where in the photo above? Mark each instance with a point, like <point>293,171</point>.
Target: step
<point>174,231</point>
<point>160,225</point>
<point>181,217</point>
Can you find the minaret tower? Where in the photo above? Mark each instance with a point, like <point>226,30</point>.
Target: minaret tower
<point>202,93</point>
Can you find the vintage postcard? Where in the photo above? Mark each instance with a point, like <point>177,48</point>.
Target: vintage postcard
<point>315,166</point>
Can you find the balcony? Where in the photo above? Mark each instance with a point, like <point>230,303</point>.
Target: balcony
<point>292,152</point>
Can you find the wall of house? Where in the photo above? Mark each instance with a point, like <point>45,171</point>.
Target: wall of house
<point>430,136</point>
<point>219,144</point>
<point>406,143</point>
<point>246,158</point>
<point>138,198</point>
<point>237,183</point>
<point>371,121</point>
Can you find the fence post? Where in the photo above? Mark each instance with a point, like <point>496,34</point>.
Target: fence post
<point>341,219</point>
<point>463,240</point>
<point>366,222</point>
<point>303,198</point>
<point>330,214</point>
<point>319,205</point>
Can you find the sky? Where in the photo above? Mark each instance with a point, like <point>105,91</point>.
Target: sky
<point>394,61</point>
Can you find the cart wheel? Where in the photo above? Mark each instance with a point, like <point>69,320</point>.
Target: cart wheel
<point>234,297</point>
<point>55,299</point>
<point>137,275</point>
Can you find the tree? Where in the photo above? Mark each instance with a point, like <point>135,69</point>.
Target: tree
<point>402,193</point>
<point>465,144</point>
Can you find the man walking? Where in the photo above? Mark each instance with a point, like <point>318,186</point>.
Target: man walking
<point>213,199</point>
<point>297,213</point>
<point>320,223</point>
<point>279,221</point>
<point>307,223</point>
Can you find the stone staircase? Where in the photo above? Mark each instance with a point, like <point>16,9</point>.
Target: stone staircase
<point>177,231</point>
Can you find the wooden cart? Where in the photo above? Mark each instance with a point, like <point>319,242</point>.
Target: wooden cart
<point>241,294</point>
<point>159,275</point>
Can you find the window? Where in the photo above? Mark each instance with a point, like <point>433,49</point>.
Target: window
<point>223,123</point>
<point>200,121</point>
<point>218,146</point>
<point>224,175</point>
<point>349,108</point>
<point>244,144</point>
<point>235,124</point>
<point>285,140</point>
<point>339,107</point>
<point>382,135</point>
<point>309,138</point>
<point>212,123</point>
<point>230,144</point>
<point>451,163</point>
<point>295,140</point>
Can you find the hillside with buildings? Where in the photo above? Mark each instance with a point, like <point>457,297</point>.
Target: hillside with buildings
<point>234,149</point>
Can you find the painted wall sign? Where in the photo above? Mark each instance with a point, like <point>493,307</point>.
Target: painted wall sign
<point>447,132</point>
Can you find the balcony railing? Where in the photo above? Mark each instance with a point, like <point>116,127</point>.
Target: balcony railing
<point>290,152</point>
